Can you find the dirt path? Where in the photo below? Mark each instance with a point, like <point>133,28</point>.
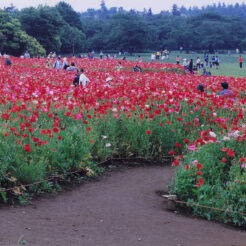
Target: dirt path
<point>122,209</point>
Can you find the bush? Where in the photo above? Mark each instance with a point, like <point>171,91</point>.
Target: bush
<point>214,176</point>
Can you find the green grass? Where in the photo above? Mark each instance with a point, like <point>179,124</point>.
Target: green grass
<point>229,65</point>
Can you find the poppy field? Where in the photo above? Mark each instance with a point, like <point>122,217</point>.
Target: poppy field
<point>49,127</point>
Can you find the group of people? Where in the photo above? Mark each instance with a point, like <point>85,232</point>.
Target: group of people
<point>26,55</point>
<point>225,90</point>
<point>199,64</point>
<point>60,64</point>
<point>163,54</point>
<point>80,78</point>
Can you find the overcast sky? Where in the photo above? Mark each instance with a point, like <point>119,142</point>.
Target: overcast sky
<point>82,5</point>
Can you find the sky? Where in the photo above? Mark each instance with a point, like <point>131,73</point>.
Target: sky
<point>83,5</point>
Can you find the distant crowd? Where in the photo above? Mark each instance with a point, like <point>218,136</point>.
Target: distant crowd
<point>205,64</point>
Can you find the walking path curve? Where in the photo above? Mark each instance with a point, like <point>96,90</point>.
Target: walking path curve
<point>122,209</point>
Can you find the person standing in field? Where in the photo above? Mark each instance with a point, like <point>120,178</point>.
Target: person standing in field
<point>27,55</point>
<point>198,62</point>
<point>65,63</point>
<point>83,80</point>
<point>48,63</point>
<point>240,61</point>
<point>206,59</point>
<point>58,63</point>
<point>101,55</point>
<point>152,57</point>
<point>168,54</point>
<point>217,62</point>
<point>184,63</point>
<point>165,53</point>
<point>213,60</point>
<point>157,55</point>
<point>177,60</point>
<point>7,61</point>
<point>76,79</point>
<point>190,66</point>
<point>118,67</point>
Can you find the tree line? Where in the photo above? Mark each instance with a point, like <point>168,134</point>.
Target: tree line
<point>62,30</point>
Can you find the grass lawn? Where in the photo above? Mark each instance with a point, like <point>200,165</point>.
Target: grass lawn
<point>229,65</point>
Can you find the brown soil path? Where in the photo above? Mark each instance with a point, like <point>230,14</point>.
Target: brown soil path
<point>122,209</point>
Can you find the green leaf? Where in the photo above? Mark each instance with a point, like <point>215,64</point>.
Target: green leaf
<point>3,194</point>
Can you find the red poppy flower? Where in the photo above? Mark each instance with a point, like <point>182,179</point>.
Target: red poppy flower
<point>27,148</point>
<point>55,130</point>
<point>175,162</point>
<point>172,152</point>
<point>5,116</point>
<point>198,166</point>
<point>230,153</point>
<point>225,149</point>
<point>28,124</point>
<point>88,129</point>
<point>187,141</point>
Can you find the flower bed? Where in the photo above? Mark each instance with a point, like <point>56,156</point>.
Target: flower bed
<point>48,127</point>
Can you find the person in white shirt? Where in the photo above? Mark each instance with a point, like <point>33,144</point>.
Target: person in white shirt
<point>65,63</point>
<point>101,55</point>
<point>83,80</point>
<point>198,62</point>
<point>118,67</point>
<point>108,80</point>
<point>152,57</point>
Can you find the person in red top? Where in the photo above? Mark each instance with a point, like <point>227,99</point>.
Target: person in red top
<point>240,61</point>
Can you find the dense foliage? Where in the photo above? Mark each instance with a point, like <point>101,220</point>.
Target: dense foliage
<point>221,8</point>
<point>48,127</point>
<point>203,31</point>
<point>63,30</point>
<point>14,40</point>
<point>55,28</point>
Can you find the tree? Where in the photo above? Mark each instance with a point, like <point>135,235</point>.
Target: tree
<point>71,36</point>
<point>69,15</point>
<point>175,10</point>
<point>103,6</point>
<point>103,10</point>
<point>13,40</point>
<point>213,31</point>
<point>149,12</point>
<point>127,32</point>
<point>10,9</point>
<point>45,24</point>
